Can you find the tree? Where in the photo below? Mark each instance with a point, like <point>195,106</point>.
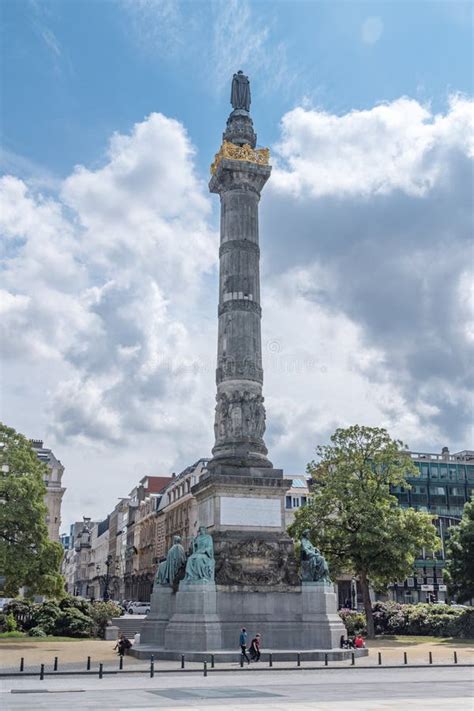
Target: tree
<point>27,556</point>
<point>353,517</point>
<point>460,553</point>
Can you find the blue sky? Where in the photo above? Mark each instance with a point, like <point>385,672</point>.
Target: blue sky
<point>80,69</point>
<point>111,114</point>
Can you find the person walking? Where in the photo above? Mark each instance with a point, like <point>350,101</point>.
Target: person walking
<point>243,644</point>
<point>255,648</point>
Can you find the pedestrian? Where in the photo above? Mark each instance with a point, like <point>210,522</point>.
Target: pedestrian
<point>123,645</point>
<point>243,644</point>
<point>359,641</point>
<point>255,648</point>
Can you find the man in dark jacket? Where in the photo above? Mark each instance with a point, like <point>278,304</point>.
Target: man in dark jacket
<point>243,643</point>
<point>255,648</point>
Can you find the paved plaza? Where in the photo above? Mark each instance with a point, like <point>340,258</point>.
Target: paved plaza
<point>371,689</point>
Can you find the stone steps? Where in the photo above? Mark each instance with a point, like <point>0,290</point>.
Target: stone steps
<point>129,626</point>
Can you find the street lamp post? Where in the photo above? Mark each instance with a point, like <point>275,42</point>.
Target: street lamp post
<point>108,563</point>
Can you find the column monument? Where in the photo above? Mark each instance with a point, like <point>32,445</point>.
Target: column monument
<point>241,569</point>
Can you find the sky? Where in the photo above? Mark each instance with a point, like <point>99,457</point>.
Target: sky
<point>112,111</point>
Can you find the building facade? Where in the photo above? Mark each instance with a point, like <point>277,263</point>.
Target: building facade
<point>445,483</point>
<point>54,489</point>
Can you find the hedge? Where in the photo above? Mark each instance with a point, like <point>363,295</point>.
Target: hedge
<point>422,619</point>
<point>71,617</point>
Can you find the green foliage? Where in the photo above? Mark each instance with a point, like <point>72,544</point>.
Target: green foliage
<point>46,617</point>
<point>10,623</point>
<point>352,515</point>
<point>460,553</point>
<point>74,623</point>
<point>69,602</point>
<point>27,556</point>
<point>37,632</point>
<point>71,617</point>
<point>11,635</point>
<point>102,612</point>
<point>392,618</point>
<point>354,622</point>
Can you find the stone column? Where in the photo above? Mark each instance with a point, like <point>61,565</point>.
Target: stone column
<point>240,413</point>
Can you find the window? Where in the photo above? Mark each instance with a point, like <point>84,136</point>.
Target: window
<point>303,500</point>
<point>434,471</point>
<point>296,502</point>
<point>424,470</point>
<point>443,472</point>
<point>288,502</point>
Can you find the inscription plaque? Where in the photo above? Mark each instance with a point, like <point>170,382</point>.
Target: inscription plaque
<point>244,511</point>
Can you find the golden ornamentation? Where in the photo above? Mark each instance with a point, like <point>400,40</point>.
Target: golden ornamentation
<point>261,156</point>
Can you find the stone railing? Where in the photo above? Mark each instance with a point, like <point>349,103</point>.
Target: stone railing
<point>261,156</point>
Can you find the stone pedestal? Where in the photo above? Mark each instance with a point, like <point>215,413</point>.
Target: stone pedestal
<point>322,626</point>
<point>243,509</point>
<point>207,619</point>
<point>195,625</point>
<point>162,605</point>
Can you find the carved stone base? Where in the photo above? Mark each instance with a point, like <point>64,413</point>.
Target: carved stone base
<point>257,561</point>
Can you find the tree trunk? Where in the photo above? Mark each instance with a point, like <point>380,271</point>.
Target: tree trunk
<point>364,584</point>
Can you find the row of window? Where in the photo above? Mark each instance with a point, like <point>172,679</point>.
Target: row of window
<point>451,472</point>
<point>294,502</point>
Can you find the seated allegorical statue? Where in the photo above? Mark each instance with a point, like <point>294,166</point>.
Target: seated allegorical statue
<point>170,567</point>
<point>201,564</point>
<point>313,565</point>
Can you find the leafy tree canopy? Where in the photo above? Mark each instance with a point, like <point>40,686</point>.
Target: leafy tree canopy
<point>27,556</point>
<point>460,552</point>
<point>354,518</point>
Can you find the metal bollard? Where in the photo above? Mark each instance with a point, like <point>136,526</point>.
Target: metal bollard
<point>88,665</point>
<point>431,657</point>
<point>120,662</point>
<point>152,666</point>
<point>55,667</point>
<point>101,671</point>
<point>205,668</point>
<point>212,661</point>
<point>455,657</point>
<point>270,660</point>
<point>182,661</point>
<point>405,658</point>
<point>298,660</point>
<point>42,672</point>
<point>353,659</point>
<point>380,658</point>
<point>326,660</point>
<point>22,664</point>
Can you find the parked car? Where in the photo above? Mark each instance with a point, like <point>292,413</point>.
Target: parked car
<point>138,608</point>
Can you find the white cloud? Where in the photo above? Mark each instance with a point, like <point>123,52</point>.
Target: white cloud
<point>393,146</point>
<point>109,291</point>
<point>371,30</point>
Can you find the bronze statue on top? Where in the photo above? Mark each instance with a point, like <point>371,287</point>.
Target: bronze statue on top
<point>240,92</point>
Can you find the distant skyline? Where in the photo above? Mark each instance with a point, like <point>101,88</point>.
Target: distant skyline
<point>112,113</point>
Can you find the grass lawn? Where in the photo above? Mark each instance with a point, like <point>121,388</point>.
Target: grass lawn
<point>23,637</point>
<point>401,640</point>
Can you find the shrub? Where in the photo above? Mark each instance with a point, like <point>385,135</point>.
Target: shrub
<point>354,621</point>
<point>10,623</point>
<point>45,616</point>
<point>69,602</point>
<point>421,619</point>
<point>37,632</point>
<point>73,623</point>
<point>21,611</point>
<point>102,612</point>
<point>463,625</point>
